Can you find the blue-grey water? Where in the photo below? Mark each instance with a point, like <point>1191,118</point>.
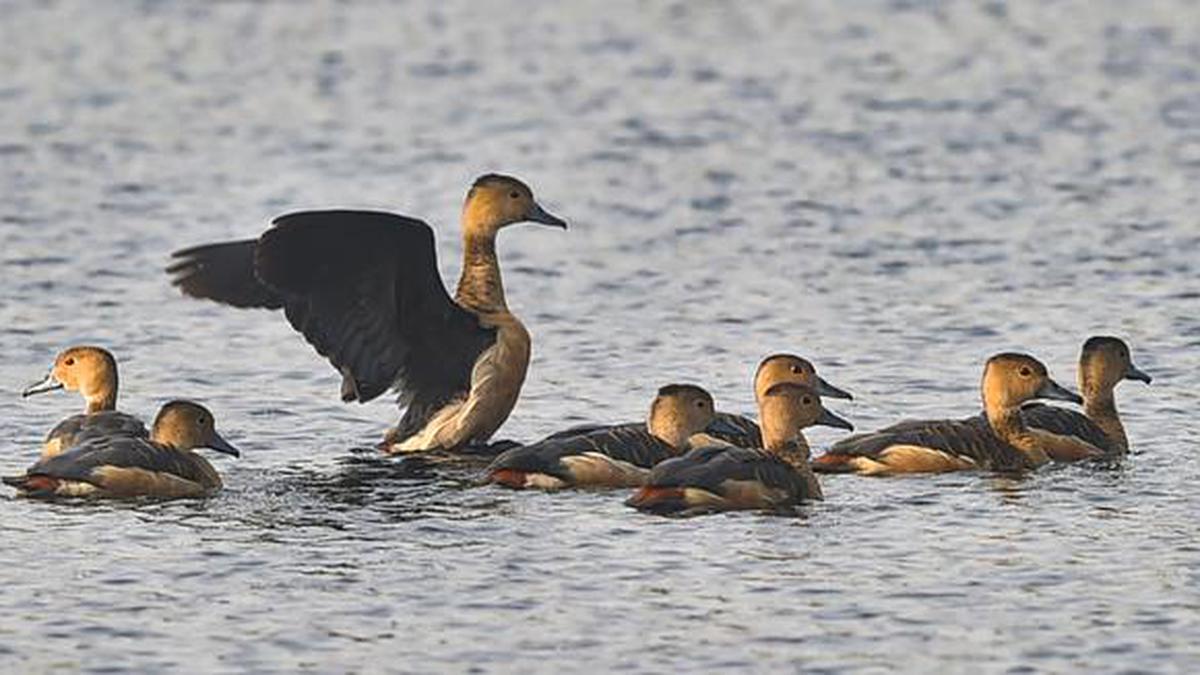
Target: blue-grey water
<point>893,189</point>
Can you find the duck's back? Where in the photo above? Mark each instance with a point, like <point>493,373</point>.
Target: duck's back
<point>81,428</point>
<point>969,440</point>
<point>1067,422</point>
<point>565,457</point>
<point>723,477</point>
<point>737,430</point>
<point>122,466</point>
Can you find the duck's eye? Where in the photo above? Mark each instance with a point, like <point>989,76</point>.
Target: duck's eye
<point>70,361</point>
<point>514,195</point>
<point>201,419</point>
<point>807,401</point>
<point>797,370</point>
<point>699,404</point>
<point>1025,371</point>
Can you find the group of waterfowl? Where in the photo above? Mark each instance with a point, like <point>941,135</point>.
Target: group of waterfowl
<point>364,290</point>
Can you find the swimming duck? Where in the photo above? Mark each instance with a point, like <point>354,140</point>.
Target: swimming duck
<point>619,456</point>
<point>364,290</point>
<point>1004,443</point>
<point>722,477</point>
<point>736,429</point>
<point>1103,363</point>
<point>125,466</point>
<point>91,371</point>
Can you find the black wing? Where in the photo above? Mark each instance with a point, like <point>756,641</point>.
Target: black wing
<point>707,468</point>
<point>79,428</point>
<point>363,288</point>
<point>1066,422</point>
<point>737,430</point>
<point>630,443</point>
<point>223,272</point>
<point>971,437</point>
<point>119,451</point>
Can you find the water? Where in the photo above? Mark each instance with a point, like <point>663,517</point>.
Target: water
<point>893,189</point>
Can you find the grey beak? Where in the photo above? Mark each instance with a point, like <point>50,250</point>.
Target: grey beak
<point>51,383</point>
<point>826,390</point>
<point>221,445</point>
<point>539,215</point>
<point>1053,390</point>
<point>830,420</point>
<point>1135,373</point>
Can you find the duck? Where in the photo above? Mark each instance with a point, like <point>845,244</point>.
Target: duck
<point>363,289</point>
<point>999,441</point>
<point>736,429</point>
<point>121,466</point>
<point>724,477</point>
<point>618,456</point>
<point>1104,362</point>
<point>91,371</point>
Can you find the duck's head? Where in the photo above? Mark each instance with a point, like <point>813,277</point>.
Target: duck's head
<point>1104,362</point>
<point>678,411</point>
<point>496,201</point>
<point>186,425</point>
<point>779,368</point>
<point>92,371</point>
<point>1011,379</point>
<point>788,407</point>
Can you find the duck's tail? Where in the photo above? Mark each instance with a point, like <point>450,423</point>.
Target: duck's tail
<point>659,500</point>
<point>33,486</point>
<point>522,480</point>
<point>833,464</point>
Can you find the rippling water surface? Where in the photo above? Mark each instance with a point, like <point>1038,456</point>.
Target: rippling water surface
<point>894,189</point>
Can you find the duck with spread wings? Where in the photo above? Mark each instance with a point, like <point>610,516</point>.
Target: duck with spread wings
<point>363,288</point>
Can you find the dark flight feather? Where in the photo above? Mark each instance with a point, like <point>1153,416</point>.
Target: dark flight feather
<point>79,428</point>
<point>364,290</point>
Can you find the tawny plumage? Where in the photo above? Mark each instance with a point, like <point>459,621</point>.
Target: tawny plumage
<point>162,466</point>
<point>91,371</point>
<point>999,441</point>
<point>619,456</point>
<point>736,429</point>
<point>721,477</point>
<point>363,288</point>
<point>1104,362</point>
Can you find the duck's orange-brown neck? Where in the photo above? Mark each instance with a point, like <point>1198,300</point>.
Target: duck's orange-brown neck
<point>1100,406</point>
<point>480,287</point>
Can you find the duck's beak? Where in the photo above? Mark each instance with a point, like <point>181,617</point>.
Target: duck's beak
<point>721,426</point>
<point>221,445</point>
<point>539,215</point>
<point>830,420</point>
<point>826,390</point>
<point>51,383</point>
<point>1135,373</point>
<point>1053,390</point>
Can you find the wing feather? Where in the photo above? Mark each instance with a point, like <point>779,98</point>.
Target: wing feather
<point>364,290</point>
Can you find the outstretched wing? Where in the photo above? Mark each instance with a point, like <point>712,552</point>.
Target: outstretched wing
<point>364,290</point>
<point>223,272</point>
